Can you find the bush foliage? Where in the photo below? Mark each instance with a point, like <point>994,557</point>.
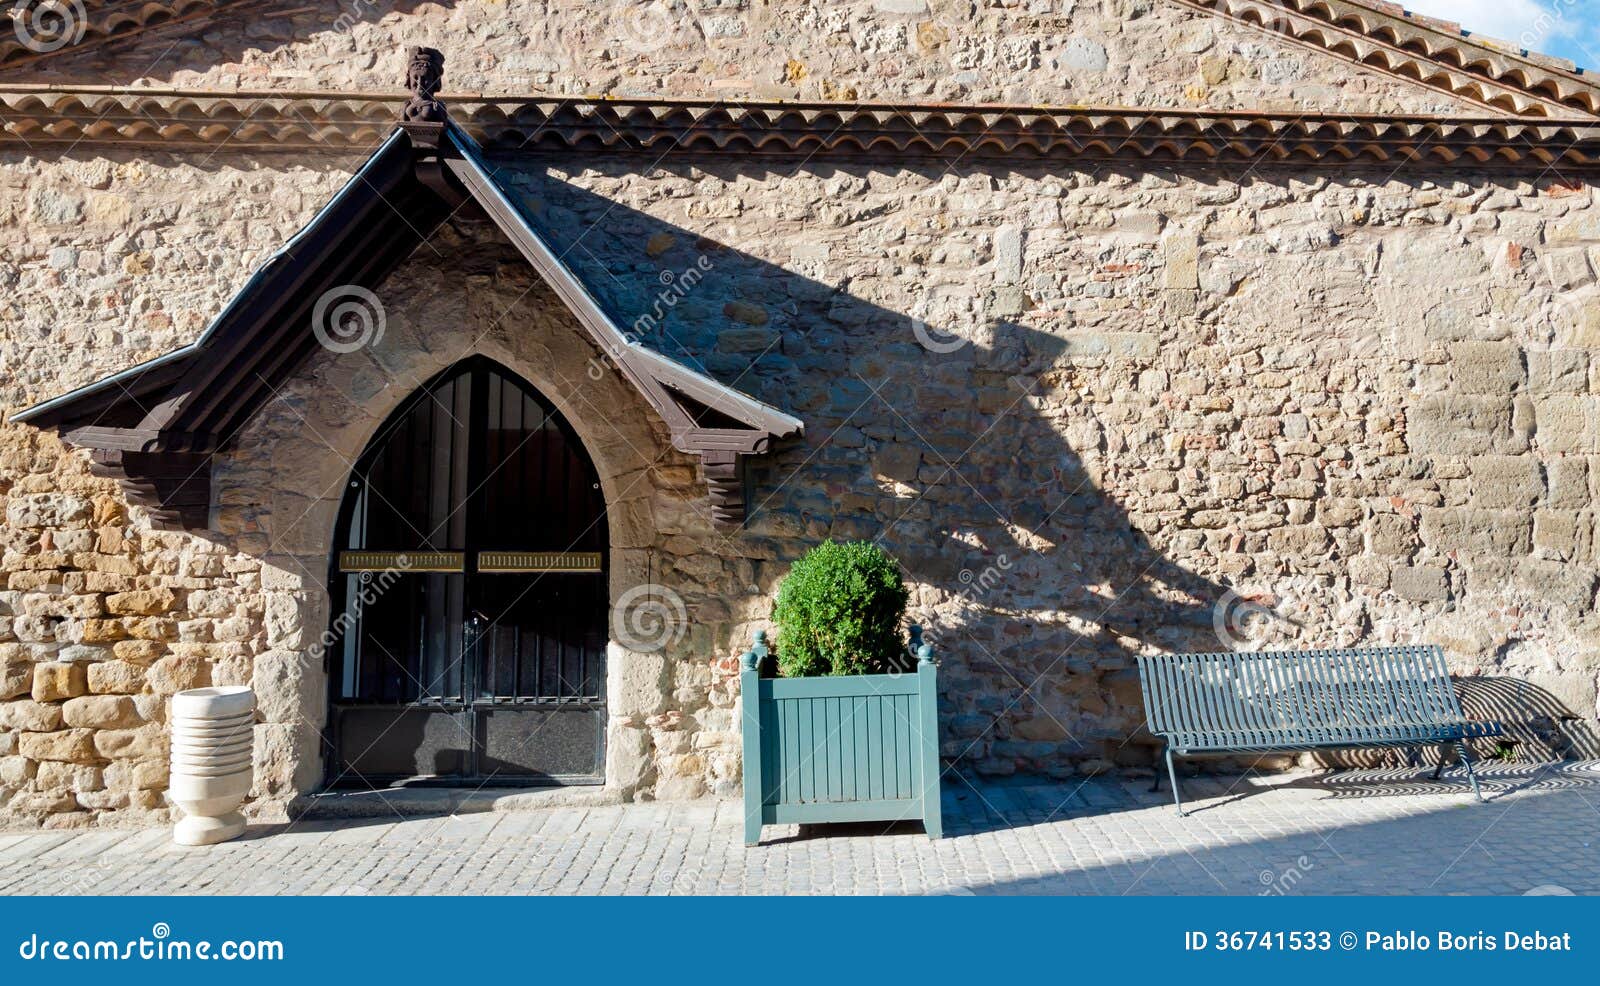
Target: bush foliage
<point>839,612</point>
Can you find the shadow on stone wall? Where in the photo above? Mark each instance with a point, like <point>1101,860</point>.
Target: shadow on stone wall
<point>975,458</point>
<point>161,53</point>
<point>968,465</point>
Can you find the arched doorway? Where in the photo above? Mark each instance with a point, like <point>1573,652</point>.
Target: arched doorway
<point>469,579</point>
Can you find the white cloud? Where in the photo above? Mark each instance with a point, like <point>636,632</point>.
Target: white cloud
<point>1509,19</point>
<point>1559,27</point>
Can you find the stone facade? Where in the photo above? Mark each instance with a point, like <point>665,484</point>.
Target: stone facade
<point>1097,52</point>
<point>1093,412</point>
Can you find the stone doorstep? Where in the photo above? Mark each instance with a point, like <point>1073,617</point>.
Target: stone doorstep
<point>421,802</point>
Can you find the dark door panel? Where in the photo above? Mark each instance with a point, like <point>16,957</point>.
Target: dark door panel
<point>399,741</point>
<point>559,743</point>
<point>510,655</point>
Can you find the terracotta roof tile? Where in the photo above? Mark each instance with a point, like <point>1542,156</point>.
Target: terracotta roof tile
<point>36,117</point>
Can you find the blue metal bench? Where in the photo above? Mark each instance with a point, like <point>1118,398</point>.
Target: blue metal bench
<point>1282,701</point>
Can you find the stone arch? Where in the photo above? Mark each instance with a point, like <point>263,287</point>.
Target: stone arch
<point>280,486</point>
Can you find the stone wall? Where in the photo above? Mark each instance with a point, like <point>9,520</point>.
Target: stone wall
<point>1099,413</point>
<point>1095,52</point>
<point>1093,412</point>
<point>1087,411</point>
<point>109,259</point>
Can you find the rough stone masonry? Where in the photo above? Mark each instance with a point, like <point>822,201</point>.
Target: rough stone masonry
<point>1089,409</point>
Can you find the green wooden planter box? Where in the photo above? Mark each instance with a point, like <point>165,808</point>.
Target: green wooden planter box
<point>857,748</point>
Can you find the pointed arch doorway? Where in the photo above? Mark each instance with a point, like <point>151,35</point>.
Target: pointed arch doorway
<point>470,592</point>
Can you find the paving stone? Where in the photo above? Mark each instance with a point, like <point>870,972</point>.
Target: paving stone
<point>1383,832</point>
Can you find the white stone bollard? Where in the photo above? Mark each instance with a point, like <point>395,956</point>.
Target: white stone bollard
<point>212,735</point>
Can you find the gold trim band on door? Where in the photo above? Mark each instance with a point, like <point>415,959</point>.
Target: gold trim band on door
<point>402,561</point>
<point>506,562</point>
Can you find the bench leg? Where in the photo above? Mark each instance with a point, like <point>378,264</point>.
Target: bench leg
<point>1172,772</point>
<point>1466,758</point>
<point>1156,785</point>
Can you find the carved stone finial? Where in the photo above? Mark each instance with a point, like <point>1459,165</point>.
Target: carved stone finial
<point>424,76</point>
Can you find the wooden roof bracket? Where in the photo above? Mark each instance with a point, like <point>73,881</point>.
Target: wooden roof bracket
<point>174,486</point>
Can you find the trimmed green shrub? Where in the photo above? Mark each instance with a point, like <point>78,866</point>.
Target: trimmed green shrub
<point>839,612</point>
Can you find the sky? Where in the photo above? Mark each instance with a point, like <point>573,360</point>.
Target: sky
<point>1568,28</point>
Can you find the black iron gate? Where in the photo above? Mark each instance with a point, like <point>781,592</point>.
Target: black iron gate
<point>470,588</point>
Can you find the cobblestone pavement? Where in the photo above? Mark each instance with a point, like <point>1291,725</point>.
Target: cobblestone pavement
<point>1351,833</point>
